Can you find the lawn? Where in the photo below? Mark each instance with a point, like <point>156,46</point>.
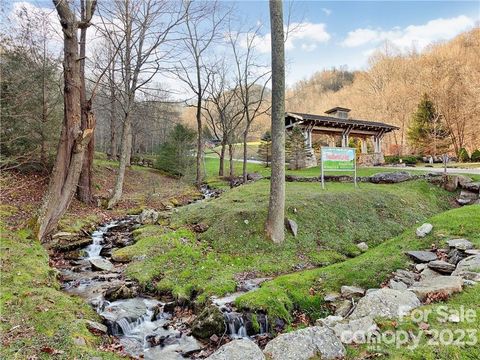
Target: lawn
<point>212,178</point>
<point>330,222</point>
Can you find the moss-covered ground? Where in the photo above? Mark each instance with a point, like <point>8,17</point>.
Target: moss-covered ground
<point>331,222</point>
<point>38,320</point>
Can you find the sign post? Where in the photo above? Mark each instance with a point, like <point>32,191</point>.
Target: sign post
<point>338,159</point>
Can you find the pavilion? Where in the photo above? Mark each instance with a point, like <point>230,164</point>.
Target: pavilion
<point>337,123</point>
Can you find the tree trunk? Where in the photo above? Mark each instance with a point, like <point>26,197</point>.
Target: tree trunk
<point>244,166</point>
<point>113,111</point>
<point>221,167</point>
<point>274,226</point>
<point>71,147</point>
<point>84,190</point>
<point>125,149</point>
<point>199,178</point>
<point>230,160</point>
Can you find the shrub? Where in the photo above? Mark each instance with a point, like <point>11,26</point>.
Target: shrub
<point>176,156</point>
<point>463,155</point>
<point>475,155</point>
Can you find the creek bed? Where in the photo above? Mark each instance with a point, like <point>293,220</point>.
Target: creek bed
<point>146,327</point>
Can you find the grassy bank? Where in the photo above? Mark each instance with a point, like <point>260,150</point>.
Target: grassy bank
<point>38,319</point>
<point>368,270</point>
<point>331,223</point>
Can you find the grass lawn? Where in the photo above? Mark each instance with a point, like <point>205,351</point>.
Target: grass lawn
<point>212,178</point>
<point>331,223</point>
<point>38,319</point>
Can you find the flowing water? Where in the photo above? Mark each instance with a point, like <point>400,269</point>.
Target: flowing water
<point>141,324</point>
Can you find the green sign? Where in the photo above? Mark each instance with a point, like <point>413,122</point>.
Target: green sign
<point>338,159</point>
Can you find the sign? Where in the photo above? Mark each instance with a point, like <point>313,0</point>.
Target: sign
<point>338,159</point>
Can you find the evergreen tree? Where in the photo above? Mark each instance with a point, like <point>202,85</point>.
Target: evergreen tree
<point>475,156</point>
<point>427,133</point>
<point>295,149</point>
<point>265,148</point>
<point>176,156</point>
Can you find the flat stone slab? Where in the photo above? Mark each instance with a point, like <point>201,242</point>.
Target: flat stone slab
<point>386,303</point>
<point>241,349</point>
<point>390,177</point>
<point>471,263</point>
<point>424,230</point>
<point>101,264</point>
<point>305,344</point>
<point>351,291</point>
<point>460,244</point>
<point>439,284</point>
<point>441,266</point>
<point>422,256</point>
<point>428,274</point>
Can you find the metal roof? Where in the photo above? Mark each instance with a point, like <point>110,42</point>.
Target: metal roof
<point>335,122</point>
<point>335,109</point>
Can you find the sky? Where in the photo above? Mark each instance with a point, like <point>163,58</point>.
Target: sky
<point>345,33</point>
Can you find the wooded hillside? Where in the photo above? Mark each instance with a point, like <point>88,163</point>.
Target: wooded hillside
<point>393,85</point>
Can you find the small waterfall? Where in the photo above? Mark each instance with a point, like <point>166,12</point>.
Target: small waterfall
<point>93,250</point>
<point>235,324</point>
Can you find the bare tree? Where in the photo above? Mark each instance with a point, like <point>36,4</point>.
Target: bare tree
<point>201,29</point>
<point>140,28</point>
<point>223,112</point>
<point>252,78</point>
<point>73,140</point>
<point>274,226</point>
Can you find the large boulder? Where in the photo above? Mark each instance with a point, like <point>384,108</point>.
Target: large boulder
<point>355,331</point>
<point>460,244</point>
<point>424,230</point>
<point>305,344</point>
<point>446,285</point>
<point>390,178</point>
<point>472,186</point>
<point>422,256</point>
<point>387,303</point>
<point>254,177</point>
<point>467,197</point>
<point>471,263</point>
<point>240,349</point>
<point>148,216</point>
<point>209,322</point>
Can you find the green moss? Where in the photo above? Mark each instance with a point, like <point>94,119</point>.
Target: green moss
<point>36,314</point>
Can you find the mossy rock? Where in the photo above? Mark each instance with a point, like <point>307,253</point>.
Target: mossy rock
<point>209,322</point>
<point>121,256</point>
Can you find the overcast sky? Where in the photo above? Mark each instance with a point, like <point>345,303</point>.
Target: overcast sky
<point>338,33</point>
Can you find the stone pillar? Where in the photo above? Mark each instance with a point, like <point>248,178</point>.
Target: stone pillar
<point>364,146</point>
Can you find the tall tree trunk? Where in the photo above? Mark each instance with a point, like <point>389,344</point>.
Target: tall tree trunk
<point>221,167</point>
<point>230,160</point>
<point>199,177</point>
<point>113,111</point>
<point>125,149</point>
<point>274,226</point>
<point>84,190</point>
<point>73,141</point>
<point>244,166</point>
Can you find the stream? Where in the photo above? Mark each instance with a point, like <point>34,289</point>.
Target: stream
<point>144,326</point>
